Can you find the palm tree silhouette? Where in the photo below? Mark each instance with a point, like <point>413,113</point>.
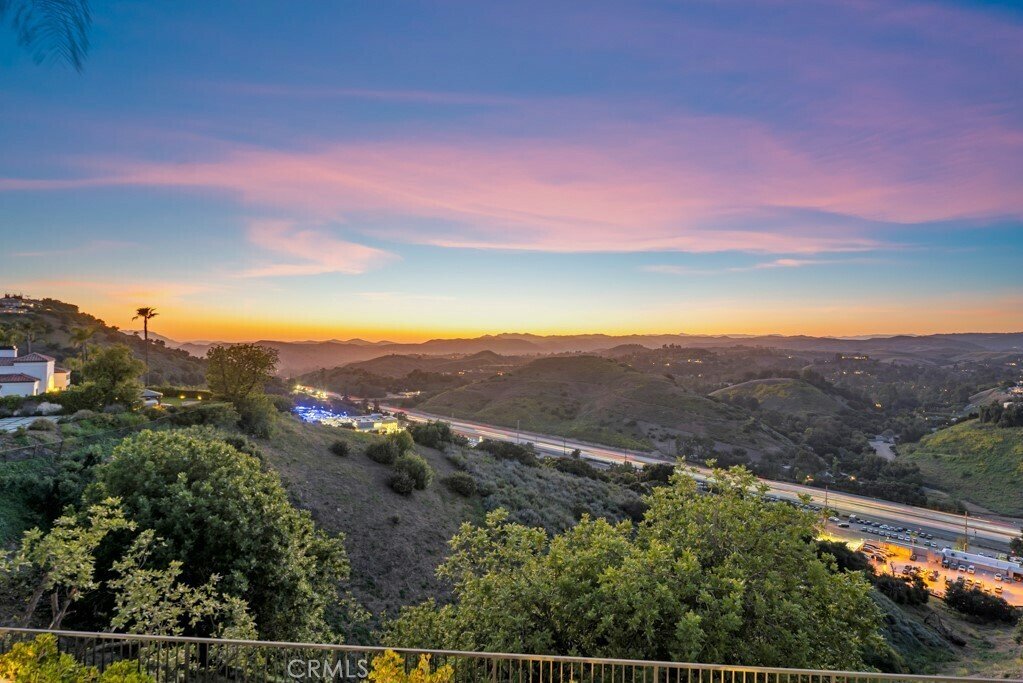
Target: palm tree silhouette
<point>80,337</point>
<point>31,329</point>
<point>147,313</point>
<point>50,29</point>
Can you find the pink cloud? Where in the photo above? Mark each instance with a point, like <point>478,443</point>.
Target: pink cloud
<point>694,184</point>
<point>309,252</point>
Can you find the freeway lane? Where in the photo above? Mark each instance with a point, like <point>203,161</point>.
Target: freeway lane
<point>990,533</point>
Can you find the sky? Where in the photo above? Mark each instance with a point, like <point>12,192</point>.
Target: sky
<point>410,170</point>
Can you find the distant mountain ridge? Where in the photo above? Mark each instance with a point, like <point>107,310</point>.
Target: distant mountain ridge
<point>306,356</point>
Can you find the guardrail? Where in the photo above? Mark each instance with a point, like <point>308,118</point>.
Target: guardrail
<point>179,659</point>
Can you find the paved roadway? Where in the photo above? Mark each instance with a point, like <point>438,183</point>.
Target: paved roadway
<point>983,532</point>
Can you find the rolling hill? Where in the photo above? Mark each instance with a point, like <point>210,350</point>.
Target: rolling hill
<point>57,320</point>
<point>599,400</point>
<point>977,462</point>
<point>783,395</point>
<point>302,357</point>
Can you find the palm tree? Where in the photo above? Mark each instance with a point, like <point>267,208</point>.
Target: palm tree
<point>80,337</point>
<point>50,29</point>
<point>31,329</point>
<point>10,335</point>
<point>147,313</point>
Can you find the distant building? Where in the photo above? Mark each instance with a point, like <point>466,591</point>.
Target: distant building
<point>15,304</point>
<point>30,375</point>
<point>380,424</point>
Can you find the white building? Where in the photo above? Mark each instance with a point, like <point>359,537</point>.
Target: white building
<point>30,375</point>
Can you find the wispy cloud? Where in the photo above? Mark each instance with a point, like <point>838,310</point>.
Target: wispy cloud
<point>430,97</point>
<point>672,269</point>
<point>94,246</point>
<point>293,250</point>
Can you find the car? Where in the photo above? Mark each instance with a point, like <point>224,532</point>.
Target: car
<point>998,577</point>
<point>864,529</point>
<point>962,567</point>
<point>912,558</point>
<point>944,564</point>
<point>843,525</point>
<point>998,590</point>
<point>971,569</point>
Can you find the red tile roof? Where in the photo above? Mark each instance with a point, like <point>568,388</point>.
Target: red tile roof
<point>17,378</point>
<point>34,358</point>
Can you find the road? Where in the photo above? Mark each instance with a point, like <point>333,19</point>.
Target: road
<point>982,532</point>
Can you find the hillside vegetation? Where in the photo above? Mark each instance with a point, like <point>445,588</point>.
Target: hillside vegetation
<point>57,322</point>
<point>599,400</point>
<point>784,395</point>
<point>981,463</point>
<point>396,542</point>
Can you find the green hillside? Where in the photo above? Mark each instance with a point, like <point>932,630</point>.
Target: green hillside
<point>599,400</point>
<point>56,322</point>
<point>784,395</point>
<point>977,462</point>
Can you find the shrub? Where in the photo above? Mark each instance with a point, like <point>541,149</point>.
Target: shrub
<point>510,451</point>
<point>340,448</point>
<point>579,468</point>
<point>383,452</point>
<point>257,415</point>
<point>416,467</point>
<point>43,425</point>
<point>390,668</point>
<point>40,661</point>
<point>243,445</point>
<point>282,403</point>
<point>461,483</point>
<point>402,482</point>
<point>903,591</point>
<point>977,603</point>
<point>80,397</point>
<point>220,512</point>
<point>207,414</point>
<point>434,434</point>
<point>402,441</point>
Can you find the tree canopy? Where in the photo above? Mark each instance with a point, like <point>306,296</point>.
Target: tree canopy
<point>219,513</point>
<point>727,578</point>
<point>237,371</point>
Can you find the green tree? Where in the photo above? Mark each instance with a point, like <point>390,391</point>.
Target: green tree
<point>31,330</point>
<point>80,338</point>
<point>726,578</point>
<point>146,313</point>
<point>10,335</point>
<point>1016,544</point>
<point>114,371</point>
<point>219,513</point>
<point>152,600</point>
<point>64,559</point>
<point>238,371</point>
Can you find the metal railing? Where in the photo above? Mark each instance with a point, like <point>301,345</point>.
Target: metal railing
<point>177,659</point>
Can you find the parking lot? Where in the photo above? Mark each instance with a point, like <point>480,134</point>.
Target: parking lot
<point>889,556</point>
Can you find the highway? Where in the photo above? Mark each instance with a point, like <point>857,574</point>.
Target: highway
<point>986,533</point>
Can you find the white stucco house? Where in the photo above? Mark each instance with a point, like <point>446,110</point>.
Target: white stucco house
<point>30,375</point>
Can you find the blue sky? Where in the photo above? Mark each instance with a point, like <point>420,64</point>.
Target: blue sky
<point>411,170</point>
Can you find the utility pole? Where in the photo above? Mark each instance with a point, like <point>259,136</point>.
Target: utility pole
<point>517,423</point>
<point>824,512</point>
<point>966,531</point>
